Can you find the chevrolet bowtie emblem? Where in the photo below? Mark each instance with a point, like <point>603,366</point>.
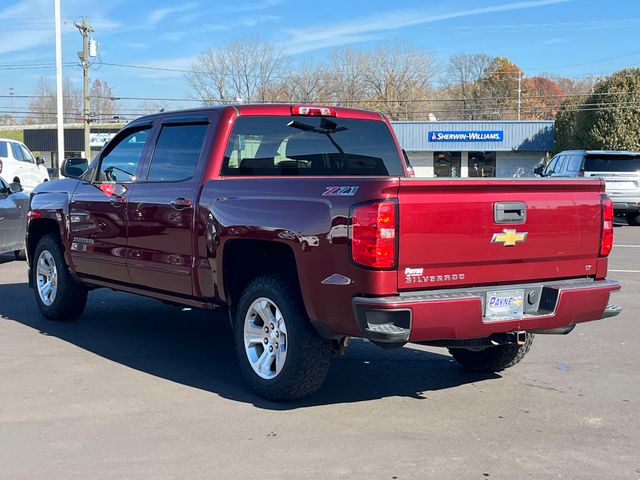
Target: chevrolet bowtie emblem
<point>509,237</point>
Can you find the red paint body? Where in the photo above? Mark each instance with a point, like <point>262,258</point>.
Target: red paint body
<point>132,239</point>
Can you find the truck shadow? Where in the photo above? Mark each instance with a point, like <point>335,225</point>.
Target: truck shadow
<point>195,348</point>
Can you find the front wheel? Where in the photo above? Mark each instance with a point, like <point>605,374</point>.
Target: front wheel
<point>280,354</point>
<point>58,295</point>
<point>492,359</point>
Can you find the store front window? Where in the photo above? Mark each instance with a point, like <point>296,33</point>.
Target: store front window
<point>447,164</point>
<point>482,164</point>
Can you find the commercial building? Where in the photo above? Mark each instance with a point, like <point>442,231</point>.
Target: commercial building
<point>475,148</point>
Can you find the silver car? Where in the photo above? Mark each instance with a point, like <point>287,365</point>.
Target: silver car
<point>619,169</point>
<point>14,205</point>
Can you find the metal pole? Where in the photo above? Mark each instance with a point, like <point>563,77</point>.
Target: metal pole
<point>519,93</point>
<point>85,28</point>
<point>59,93</point>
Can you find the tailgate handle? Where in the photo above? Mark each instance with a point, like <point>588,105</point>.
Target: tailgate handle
<point>510,212</point>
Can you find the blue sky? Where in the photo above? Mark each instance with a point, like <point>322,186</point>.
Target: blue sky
<point>574,38</point>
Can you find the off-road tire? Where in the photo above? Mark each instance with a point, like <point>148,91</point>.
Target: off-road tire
<point>492,359</point>
<point>308,355</point>
<point>71,297</point>
<point>633,218</point>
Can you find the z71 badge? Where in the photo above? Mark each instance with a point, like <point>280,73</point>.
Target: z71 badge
<point>337,191</point>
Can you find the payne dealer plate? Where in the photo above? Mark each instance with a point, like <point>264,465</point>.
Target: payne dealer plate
<point>504,304</point>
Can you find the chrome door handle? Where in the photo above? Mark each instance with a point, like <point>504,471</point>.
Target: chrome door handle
<point>117,201</point>
<point>181,203</point>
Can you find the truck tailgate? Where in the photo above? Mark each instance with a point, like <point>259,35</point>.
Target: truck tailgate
<point>452,235</point>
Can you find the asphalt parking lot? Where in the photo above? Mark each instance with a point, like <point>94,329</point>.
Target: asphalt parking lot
<point>137,389</point>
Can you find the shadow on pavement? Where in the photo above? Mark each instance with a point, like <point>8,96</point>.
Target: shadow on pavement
<point>195,348</point>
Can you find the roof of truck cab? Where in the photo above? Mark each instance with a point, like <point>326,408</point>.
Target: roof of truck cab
<point>266,109</point>
<point>600,152</point>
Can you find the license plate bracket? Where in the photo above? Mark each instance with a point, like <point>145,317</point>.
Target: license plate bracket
<point>504,304</point>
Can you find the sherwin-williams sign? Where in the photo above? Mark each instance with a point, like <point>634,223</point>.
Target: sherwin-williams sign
<point>470,136</point>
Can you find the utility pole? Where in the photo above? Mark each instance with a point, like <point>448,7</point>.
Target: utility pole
<point>519,93</point>
<point>85,29</point>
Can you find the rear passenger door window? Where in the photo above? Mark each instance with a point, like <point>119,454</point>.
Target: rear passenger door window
<point>176,153</point>
<point>4,149</point>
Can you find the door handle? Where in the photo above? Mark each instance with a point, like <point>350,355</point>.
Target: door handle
<point>181,203</point>
<point>117,201</point>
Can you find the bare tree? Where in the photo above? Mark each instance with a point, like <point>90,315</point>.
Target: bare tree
<point>102,101</point>
<point>43,105</point>
<point>346,76</point>
<point>247,69</point>
<point>152,106</point>
<point>397,79</point>
<point>464,73</point>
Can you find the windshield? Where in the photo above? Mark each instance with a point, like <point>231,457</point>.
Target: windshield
<point>298,145</point>
<point>612,163</point>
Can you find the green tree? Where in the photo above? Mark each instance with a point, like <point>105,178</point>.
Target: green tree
<point>613,113</point>
<point>607,119</point>
<point>567,135</point>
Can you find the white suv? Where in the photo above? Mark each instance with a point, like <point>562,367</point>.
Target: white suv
<point>18,165</point>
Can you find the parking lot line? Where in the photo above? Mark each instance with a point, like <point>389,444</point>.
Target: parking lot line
<point>628,246</point>
<point>624,271</point>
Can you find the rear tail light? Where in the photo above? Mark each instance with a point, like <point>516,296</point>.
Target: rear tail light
<point>313,111</point>
<point>606,239</point>
<point>373,235</point>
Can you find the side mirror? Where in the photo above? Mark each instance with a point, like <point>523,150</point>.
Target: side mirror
<point>15,187</point>
<point>40,160</point>
<point>539,170</point>
<point>74,167</point>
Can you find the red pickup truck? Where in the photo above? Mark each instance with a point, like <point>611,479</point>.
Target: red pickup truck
<point>303,223</point>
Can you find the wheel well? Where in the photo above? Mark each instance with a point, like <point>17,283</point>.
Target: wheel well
<point>37,229</point>
<point>244,260</point>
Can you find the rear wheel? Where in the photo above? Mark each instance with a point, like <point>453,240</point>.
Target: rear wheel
<point>492,359</point>
<point>280,354</point>
<point>633,218</point>
<point>58,295</point>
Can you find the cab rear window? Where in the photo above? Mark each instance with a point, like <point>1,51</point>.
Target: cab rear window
<point>295,145</point>
<point>612,163</point>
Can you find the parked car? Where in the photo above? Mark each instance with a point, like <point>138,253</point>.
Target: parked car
<point>14,205</point>
<point>303,225</point>
<point>17,164</point>
<point>620,171</point>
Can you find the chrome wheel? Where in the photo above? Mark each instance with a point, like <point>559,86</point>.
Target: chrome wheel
<point>265,338</point>
<point>47,278</point>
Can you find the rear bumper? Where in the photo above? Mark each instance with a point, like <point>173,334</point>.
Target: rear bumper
<point>458,313</point>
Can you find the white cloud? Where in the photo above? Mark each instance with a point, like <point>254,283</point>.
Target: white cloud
<point>160,14</point>
<point>322,36</point>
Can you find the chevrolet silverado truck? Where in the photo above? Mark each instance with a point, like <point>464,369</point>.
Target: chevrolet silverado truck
<point>305,226</point>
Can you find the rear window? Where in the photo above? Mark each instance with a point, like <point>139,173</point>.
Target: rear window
<point>298,145</point>
<point>612,163</point>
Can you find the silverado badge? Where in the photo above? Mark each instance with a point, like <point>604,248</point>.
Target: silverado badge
<point>509,237</point>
